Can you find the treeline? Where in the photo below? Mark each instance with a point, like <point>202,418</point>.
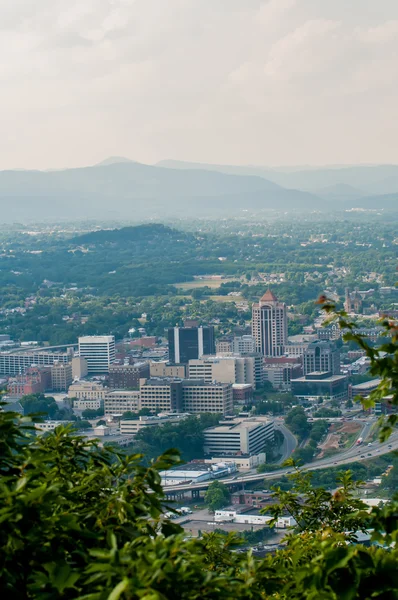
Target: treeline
<point>187,437</point>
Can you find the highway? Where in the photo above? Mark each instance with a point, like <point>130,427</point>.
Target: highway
<point>353,454</point>
<point>289,442</point>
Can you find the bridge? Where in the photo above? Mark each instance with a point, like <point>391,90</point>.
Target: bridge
<point>353,454</point>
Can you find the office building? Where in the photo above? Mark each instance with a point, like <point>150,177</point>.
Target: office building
<point>165,369</point>
<point>133,426</point>
<point>118,402</point>
<point>88,404</point>
<point>99,352</point>
<point>321,356</point>
<point>61,377</point>
<point>86,390</point>
<point>16,363</point>
<point>124,377</point>
<point>186,343</point>
<point>224,345</point>
<point>244,344</point>
<point>185,395</point>
<point>161,394</point>
<point>280,371</point>
<point>269,325</point>
<point>297,344</point>
<point>242,393</point>
<point>228,369</point>
<point>79,367</point>
<point>246,437</point>
<point>314,386</point>
<point>201,397</point>
<point>364,389</point>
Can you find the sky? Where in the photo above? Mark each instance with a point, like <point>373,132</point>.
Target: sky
<point>264,82</point>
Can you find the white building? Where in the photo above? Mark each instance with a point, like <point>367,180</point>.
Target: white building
<point>246,437</point>
<point>132,426</point>
<point>231,516</point>
<point>243,462</point>
<point>99,352</point>
<point>49,425</point>
<point>196,473</point>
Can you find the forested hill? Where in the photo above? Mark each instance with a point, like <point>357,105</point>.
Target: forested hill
<point>149,232</point>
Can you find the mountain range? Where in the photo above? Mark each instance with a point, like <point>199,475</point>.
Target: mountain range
<point>120,188</point>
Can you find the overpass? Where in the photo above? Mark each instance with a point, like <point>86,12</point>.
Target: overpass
<point>353,454</point>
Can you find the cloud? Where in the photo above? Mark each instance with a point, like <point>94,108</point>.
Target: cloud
<point>277,81</point>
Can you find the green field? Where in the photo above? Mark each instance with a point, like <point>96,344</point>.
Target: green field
<point>198,283</point>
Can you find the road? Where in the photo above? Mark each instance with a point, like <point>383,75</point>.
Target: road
<point>289,442</point>
<point>353,454</point>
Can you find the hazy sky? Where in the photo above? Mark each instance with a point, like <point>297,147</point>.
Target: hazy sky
<point>268,82</point>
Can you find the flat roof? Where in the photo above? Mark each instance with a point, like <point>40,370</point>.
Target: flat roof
<point>325,379</point>
<point>372,383</point>
<point>235,427</point>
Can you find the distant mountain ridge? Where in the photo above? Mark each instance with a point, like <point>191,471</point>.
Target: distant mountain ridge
<point>130,189</point>
<point>372,179</point>
<point>121,188</point>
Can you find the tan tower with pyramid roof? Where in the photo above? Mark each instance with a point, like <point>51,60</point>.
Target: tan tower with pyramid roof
<point>269,325</point>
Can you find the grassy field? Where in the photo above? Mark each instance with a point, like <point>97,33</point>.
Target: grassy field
<point>198,283</point>
<point>225,298</point>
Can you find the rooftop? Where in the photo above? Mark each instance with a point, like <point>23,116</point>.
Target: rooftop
<point>235,427</point>
<point>269,297</point>
<point>313,377</point>
<point>371,384</point>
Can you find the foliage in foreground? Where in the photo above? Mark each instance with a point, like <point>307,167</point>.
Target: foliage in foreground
<point>78,521</point>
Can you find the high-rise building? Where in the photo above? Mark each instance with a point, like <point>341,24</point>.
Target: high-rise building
<point>321,356</point>
<point>269,325</point>
<point>124,377</point>
<point>186,343</point>
<point>99,352</point>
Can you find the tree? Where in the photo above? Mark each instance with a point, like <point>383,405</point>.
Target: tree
<point>217,496</point>
<point>383,360</point>
<point>39,403</point>
<point>349,404</point>
<point>297,421</point>
<point>91,413</point>
<point>82,424</point>
<point>129,415</point>
<point>79,521</point>
<point>314,509</point>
